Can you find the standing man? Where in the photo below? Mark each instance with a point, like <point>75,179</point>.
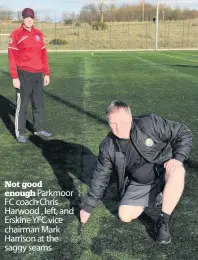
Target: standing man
<point>27,61</point>
<point>147,154</point>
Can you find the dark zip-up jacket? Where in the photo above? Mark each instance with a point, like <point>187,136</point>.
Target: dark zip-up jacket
<point>155,138</point>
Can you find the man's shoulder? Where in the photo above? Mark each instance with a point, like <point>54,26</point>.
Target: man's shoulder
<point>16,31</point>
<point>144,119</point>
<point>146,123</point>
<point>107,141</point>
<point>107,146</point>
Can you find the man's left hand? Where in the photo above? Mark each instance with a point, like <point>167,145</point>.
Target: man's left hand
<point>172,164</point>
<point>46,80</point>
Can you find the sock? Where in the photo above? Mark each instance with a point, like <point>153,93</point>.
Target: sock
<point>165,217</point>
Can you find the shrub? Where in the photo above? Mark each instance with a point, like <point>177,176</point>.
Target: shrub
<point>58,42</point>
<point>74,33</point>
<point>68,21</point>
<point>99,26</point>
<point>78,24</point>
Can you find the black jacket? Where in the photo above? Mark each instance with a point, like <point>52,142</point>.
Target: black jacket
<point>155,138</point>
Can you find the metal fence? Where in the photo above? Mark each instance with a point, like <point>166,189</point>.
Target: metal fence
<point>118,35</point>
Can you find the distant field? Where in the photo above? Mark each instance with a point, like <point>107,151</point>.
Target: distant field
<point>131,35</point>
<point>81,86</point>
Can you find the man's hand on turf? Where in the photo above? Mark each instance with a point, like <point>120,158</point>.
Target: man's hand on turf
<point>84,215</point>
<point>46,80</point>
<point>16,83</point>
<point>172,164</point>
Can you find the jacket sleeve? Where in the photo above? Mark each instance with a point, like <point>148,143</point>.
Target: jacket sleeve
<point>12,56</point>
<point>44,55</point>
<point>179,136</point>
<point>100,179</point>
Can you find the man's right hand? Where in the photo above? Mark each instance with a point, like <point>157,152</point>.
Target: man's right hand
<point>16,83</point>
<point>84,216</point>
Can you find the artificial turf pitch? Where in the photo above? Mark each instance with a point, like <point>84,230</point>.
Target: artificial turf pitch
<point>164,83</point>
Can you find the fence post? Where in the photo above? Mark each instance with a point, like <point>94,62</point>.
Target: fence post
<point>146,22</point>
<point>157,25</point>
<point>183,35</point>
<point>164,34</point>
<point>110,34</point>
<point>168,34</point>
<point>188,33</point>
<point>128,34</point>
<point>55,33</point>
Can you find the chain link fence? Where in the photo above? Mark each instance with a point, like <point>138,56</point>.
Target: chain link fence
<point>117,35</point>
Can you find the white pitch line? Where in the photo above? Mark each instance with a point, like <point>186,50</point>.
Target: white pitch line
<point>167,55</point>
<point>187,54</point>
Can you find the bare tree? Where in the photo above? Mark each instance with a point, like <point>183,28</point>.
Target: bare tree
<point>94,12</point>
<point>6,14</point>
<point>19,16</point>
<point>47,19</point>
<point>100,11</point>
<point>69,18</point>
<point>89,13</point>
<point>65,16</point>
<point>100,7</point>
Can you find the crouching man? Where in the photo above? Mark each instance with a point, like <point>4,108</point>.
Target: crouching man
<point>146,153</point>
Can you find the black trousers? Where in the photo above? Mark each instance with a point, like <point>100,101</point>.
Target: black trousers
<point>31,88</point>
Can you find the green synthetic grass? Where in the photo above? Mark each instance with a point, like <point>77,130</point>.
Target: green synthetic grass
<point>164,83</point>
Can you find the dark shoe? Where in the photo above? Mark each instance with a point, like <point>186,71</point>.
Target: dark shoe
<point>21,139</point>
<point>163,233</point>
<point>43,133</point>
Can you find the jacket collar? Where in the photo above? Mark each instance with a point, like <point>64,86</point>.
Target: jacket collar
<point>116,143</point>
<point>25,30</point>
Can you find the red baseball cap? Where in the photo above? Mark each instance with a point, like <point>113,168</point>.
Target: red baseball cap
<point>28,12</point>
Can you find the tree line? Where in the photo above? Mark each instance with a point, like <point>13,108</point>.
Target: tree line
<point>138,12</point>
<point>101,12</point>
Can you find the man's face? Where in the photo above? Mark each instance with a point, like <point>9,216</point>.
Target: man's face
<point>28,22</point>
<point>120,123</point>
